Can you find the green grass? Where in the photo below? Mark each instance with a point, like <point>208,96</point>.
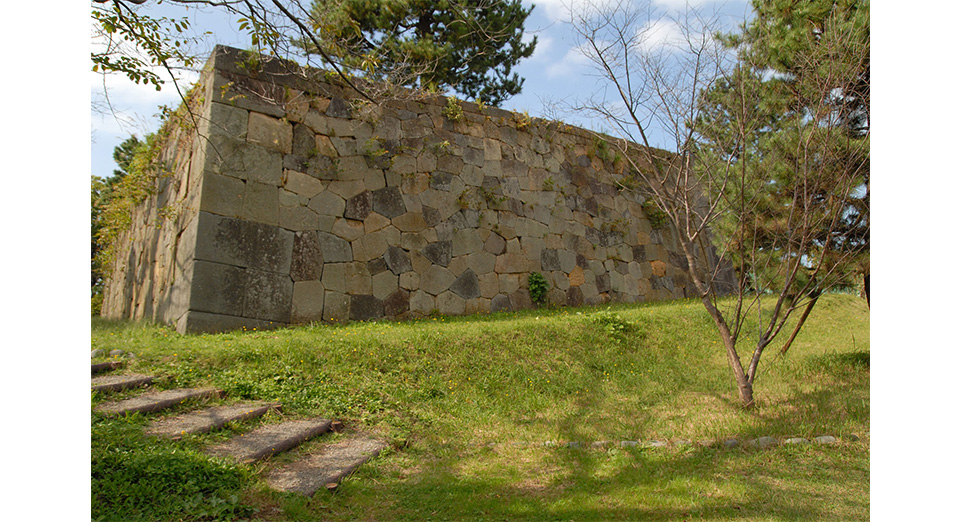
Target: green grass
<point>441,389</point>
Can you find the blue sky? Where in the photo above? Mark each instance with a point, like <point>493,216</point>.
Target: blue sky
<point>555,73</point>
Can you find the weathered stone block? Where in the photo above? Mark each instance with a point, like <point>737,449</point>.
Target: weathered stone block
<point>422,303</point>
<point>384,284</point>
<point>222,195</point>
<point>481,262</point>
<point>267,296</point>
<point>397,260</point>
<point>302,184</point>
<point>397,303</point>
<point>335,249</point>
<point>334,277</point>
<point>327,203</point>
<point>307,258</point>
<point>270,132</point>
<point>261,203</point>
<point>217,288</point>
<point>467,285</point>
<point>365,308</point>
<point>243,243</point>
<point>298,218</point>
<point>451,304</point>
<point>358,207</point>
<point>549,259</point>
<point>307,302</point>
<point>500,303</point>
<point>388,202</point>
<point>436,279</point>
<point>348,230</point>
<point>440,252</point>
<point>224,120</point>
<point>357,278</point>
<point>336,306</point>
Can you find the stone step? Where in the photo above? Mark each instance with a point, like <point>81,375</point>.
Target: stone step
<point>105,367</point>
<point>110,383</point>
<point>209,419</point>
<point>155,401</point>
<point>270,439</point>
<point>327,467</point>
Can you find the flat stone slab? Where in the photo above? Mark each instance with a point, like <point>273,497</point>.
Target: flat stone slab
<point>270,439</point>
<point>108,383</point>
<point>327,467</point>
<point>155,401</point>
<point>104,367</point>
<point>208,419</point>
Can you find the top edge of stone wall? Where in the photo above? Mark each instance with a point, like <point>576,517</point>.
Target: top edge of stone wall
<point>287,73</point>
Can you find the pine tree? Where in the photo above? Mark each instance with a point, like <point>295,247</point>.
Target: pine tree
<point>470,46</point>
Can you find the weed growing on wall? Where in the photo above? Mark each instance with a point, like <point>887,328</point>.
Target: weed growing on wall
<point>453,111</point>
<point>657,217</point>
<point>538,287</point>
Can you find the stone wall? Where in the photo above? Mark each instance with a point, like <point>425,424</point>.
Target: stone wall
<point>299,202</point>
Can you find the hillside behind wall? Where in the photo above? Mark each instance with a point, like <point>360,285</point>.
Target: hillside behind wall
<point>297,201</point>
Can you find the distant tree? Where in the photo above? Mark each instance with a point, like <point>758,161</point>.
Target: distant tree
<point>789,45</point>
<point>470,46</point>
<point>101,194</point>
<point>761,174</point>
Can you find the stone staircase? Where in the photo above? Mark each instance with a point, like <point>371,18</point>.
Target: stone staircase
<point>321,469</point>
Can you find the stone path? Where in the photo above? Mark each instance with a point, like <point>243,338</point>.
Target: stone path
<point>108,383</point>
<point>271,439</point>
<point>327,467</point>
<point>324,468</point>
<point>203,421</point>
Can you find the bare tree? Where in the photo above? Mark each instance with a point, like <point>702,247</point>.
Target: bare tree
<point>786,234</point>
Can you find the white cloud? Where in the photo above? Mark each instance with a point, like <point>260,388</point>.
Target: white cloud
<point>659,33</point>
<point>544,45</point>
<point>572,60</point>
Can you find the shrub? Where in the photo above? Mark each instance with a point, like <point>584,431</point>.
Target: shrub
<point>538,287</point>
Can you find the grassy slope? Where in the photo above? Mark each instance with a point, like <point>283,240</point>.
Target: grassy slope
<point>440,389</point>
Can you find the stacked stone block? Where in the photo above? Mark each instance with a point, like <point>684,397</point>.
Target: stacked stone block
<point>315,204</point>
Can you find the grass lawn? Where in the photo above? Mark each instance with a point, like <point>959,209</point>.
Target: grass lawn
<point>441,390</point>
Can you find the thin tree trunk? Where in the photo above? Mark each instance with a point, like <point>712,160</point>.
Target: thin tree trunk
<point>803,319</point>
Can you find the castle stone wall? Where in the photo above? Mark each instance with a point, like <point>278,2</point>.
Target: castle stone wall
<point>297,201</point>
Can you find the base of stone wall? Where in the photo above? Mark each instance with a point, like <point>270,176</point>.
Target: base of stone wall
<point>204,322</point>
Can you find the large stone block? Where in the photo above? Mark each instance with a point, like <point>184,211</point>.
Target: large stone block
<point>224,120</point>
<point>243,160</point>
<point>327,204</point>
<point>335,249</point>
<point>302,184</point>
<point>358,207</point>
<point>388,202</point>
<point>397,303</point>
<point>222,195</point>
<point>307,258</point>
<point>436,279</point>
<point>244,244</point>
<point>217,288</point>
<point>261,203</point>
<point>440,252</point>
<point>267,296</point>
<point>397,260</point>
<point>272,133</point>
<point>467,285</point>
<point>365,308</point>
<point>336,306</point>
<point>307,302</point>
<point>466,241</point>
<point>449,303</point>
